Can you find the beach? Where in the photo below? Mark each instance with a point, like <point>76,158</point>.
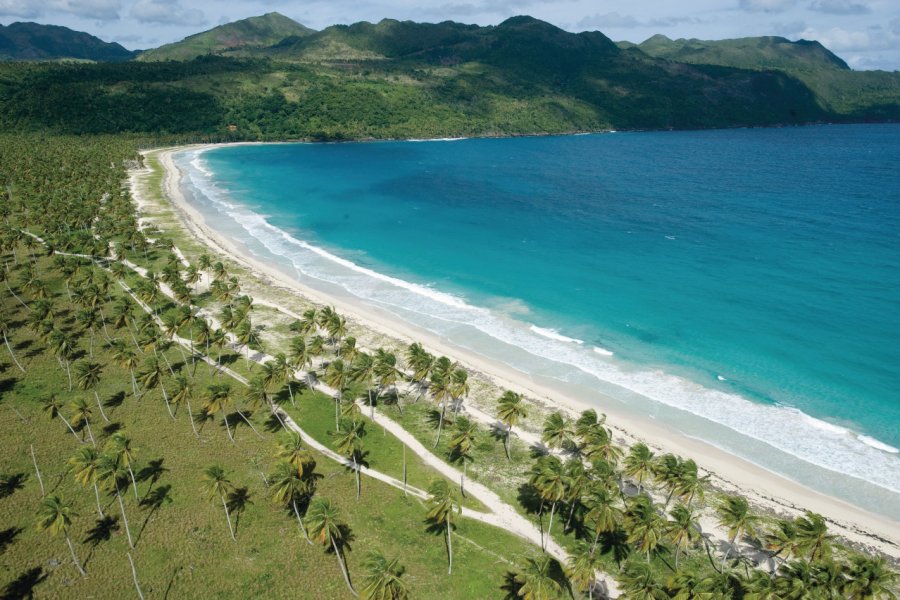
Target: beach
<point>767,491</point>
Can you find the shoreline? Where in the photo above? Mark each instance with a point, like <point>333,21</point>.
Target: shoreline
<point>765,489</point>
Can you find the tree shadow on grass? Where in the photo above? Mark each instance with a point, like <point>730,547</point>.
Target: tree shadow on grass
<point>10,484</point>
<point>155,500</point>
<point>7,385</point>
<point>115,401</point>
<point>23,585</point>
<point>237,501</point>
<point>8,536</point>
<point>101,532</point>
<point>112,428</point>
<point>152,472</point>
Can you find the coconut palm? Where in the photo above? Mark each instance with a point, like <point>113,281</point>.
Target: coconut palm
<point>734,514</point>
<point>247,336</point>
<point>126,358</point>
<point>192,276</point>
<point>548,478</point>
<point>292,450</point>
<point>639,463</point>
<point>81,415</point>
<point>324,525</point>
<point>386,372</point>
<point>812,536</point>
<point>440,388</point>
<point>308,322</point>
<point>119,446</point>
<point>285,372</point>
<point>151,376</point>
<point>337,376</point>
<point>667,470</point>
<point>870,578</point>
<point>535,581</point>
<point>51,405</point>
<point>183,393</point>
<point>89,319</point>
<point>204,262</point>
<point>218,486</point>
<point>557,431</point>
<point>4,330</point>
<point>362,371</point>
<point>55,515</point>
<point>461,445</point>
<point>218,399</point>
<point>459,387</point>
<point>603,512</point>
<point>421,363</point>
<point>290,487</point>
<point>384,578</point>
<point>84,466</point>
<point>586,422</point>
<point>599,443</point>
<point>63,348</point>
<point>348,349</point>
<point>682,530</point>
<point>258,396</point>
<point>87,377</point>
<point>645,527</point>
<point>299,355</point>
<point>442,505</point>
<point>510,410</point>
<point>582,568</point>
<point>348,440</point>
<point>637,582</point>
<point>111,473</point>
<point>689,485</point>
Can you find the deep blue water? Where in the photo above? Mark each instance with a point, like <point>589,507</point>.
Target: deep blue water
<point>747,282</point>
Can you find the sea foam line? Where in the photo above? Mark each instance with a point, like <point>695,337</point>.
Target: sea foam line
<point>812,440</point>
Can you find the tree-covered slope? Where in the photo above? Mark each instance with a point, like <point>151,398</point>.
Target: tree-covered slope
<point>33,41</point>
<point>265,30</point>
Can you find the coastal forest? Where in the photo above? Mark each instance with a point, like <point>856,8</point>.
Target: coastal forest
<point>176,427</point>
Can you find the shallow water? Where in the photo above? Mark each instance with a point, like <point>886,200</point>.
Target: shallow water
<point>742,286</point>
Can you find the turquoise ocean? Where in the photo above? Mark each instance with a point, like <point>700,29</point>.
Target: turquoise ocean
<point>739,286</point>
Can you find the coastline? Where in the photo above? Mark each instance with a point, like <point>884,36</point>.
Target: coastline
<point>765,489</point>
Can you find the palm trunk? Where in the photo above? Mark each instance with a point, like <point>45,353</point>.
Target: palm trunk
<point>440,425</point>
<point>356,468</point>
<point>550,523</point>
<point>371,406</point>
<point>449,546</point>
<point>191,418</point>
<point>74,556</point>
<point>124,517</point>
<point>100,406</point>
<point>69,425</point>
<point>38,471</point>
<point>404,470</point>
<point>506,442</point>
<point>343,567</point>
<point>541,525</point>
<point>728,551</point>
<point>278,416</point>
<point>300,521</point>
<point>87,425</point>
<point>246,420</point>
<point>228,517</point>
<point>135,577</point>
<point>166,398</point>
<point>133,483</point>
<point>571,512</point>
<point>133,384</point>
<point>291,391</point>
<point>15,360</point>
<point>227,428</point>
<point>97,497</point>
<point>17,297</point>
<point>462,480</point>
<point>68,373</point>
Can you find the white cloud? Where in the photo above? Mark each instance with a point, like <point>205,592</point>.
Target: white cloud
<point>840,7</point>
<point>98,10</point>
<point>19,8</point>
<point>166,12</point>
<point>616,20</point>
<point>837,39</point>
<point>769,6</point>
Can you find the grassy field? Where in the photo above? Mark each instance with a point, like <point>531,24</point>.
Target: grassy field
<point>182,546</point>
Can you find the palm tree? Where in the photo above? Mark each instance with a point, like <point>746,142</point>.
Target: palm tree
<point>218,486</point>
<point>639,463</point>
<point>285,372</point>
<point>461,445</point>
<point>421,363</point>
<point>548,478</point>
<point>151,376</point>
<point>734,514</point>
<point>459,387</point>
<point>119,447</point>
<point>126,358</point>
<point>599,443</point>
<point>384,580</point>
<point>4,330</point>
<point>510,411</point>
<point>348,440</point>
<point>81,414</point>
<point>204,262</point>
<point>812,536</point>
<point>536,581</point>
<point>337,376</point>
<point>257,395</point>
<point>292,451</point>
<point>637,582</point>
<point>582,568</point>
<point>348,349</point>
<point>184,391</point>
<point>63,347</point>
<point>192,276</point>
<point>603,512</point>
<point>288,486</point>
<point>645,527</point>
<point>308,323</point>
<point>870,578</point>
<point>689,484</point>
<point>52,406</point>
<point>442,504</point>
<point>110,473</point>
<point>325,526</point>
<point>84,464</point>
<point>87,377</point>
<point>55,515</point>
<point>440,388</point>
<point>300,356</point>
<point>247,336</point>
<point>682,530</point>
<point>362,371</point>
<point>557,431</point>
<point>218,399</point>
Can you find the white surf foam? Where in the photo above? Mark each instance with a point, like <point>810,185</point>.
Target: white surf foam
<point>602,351</point>
<point>789,430</point>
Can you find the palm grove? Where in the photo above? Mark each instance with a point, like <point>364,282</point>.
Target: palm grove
<point>119,348</point>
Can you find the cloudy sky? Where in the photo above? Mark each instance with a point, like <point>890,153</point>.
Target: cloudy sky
<point>865,33</point>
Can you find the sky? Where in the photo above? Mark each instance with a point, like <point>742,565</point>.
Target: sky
<point>865,33</point>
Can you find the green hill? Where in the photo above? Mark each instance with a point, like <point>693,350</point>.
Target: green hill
<point>33,41</point>
<point>266,30</point>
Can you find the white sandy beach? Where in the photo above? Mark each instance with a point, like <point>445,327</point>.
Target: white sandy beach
<point>766,490</point>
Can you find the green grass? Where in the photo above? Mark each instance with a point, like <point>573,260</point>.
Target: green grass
<point>183,547</point>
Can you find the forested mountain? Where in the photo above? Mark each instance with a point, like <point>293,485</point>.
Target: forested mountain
<point>271,78</point>
<point>32,41</point>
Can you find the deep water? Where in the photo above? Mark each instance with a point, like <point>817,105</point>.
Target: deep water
<point>746,282</point>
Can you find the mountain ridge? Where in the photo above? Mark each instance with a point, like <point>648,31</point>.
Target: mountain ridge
<point>25,40</point>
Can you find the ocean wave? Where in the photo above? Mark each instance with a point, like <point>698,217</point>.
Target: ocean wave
<point>786,429</point>
<point>602,351</point>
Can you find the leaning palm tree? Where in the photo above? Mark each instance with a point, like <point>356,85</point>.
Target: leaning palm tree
<point>218,399</point>
<point>308,322</point>
<point>557,431</point>
<point>386,373</point>
<point>870,578</point>
<point>548,478</point>
<point>536,582</point>
<point>290,487</point>
<point>51,405</point>
<point>582,568</point>
<point>639,463</point>
<point>603,509</point>
<point>510,410</point>
<point>184,391</point>
<point>111,474</point>
<point>637,582</point>
<point>87,377</point>
<point>151,376</point>
<point>440,388</point>
<point>84,466</point>
<point>348,440</point>
<point>4,330</point>
<point>384,580</point>
<point>461,445</point>
<point>442,505</point>
<point>55,515</point>
<point>362,370</point>
<point>646,528</point>
<point>119,446</point>
<point>218,486</point>
<point>285,372</point>
<point>325,526</point>
<point>734,514</point>
<point>63,346</point>
<point>812,537</point>
<point>682,530</point>
<point>81,415</point>
<point>337,376</point>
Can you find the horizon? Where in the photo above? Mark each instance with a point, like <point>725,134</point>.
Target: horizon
<point>864,33</point>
